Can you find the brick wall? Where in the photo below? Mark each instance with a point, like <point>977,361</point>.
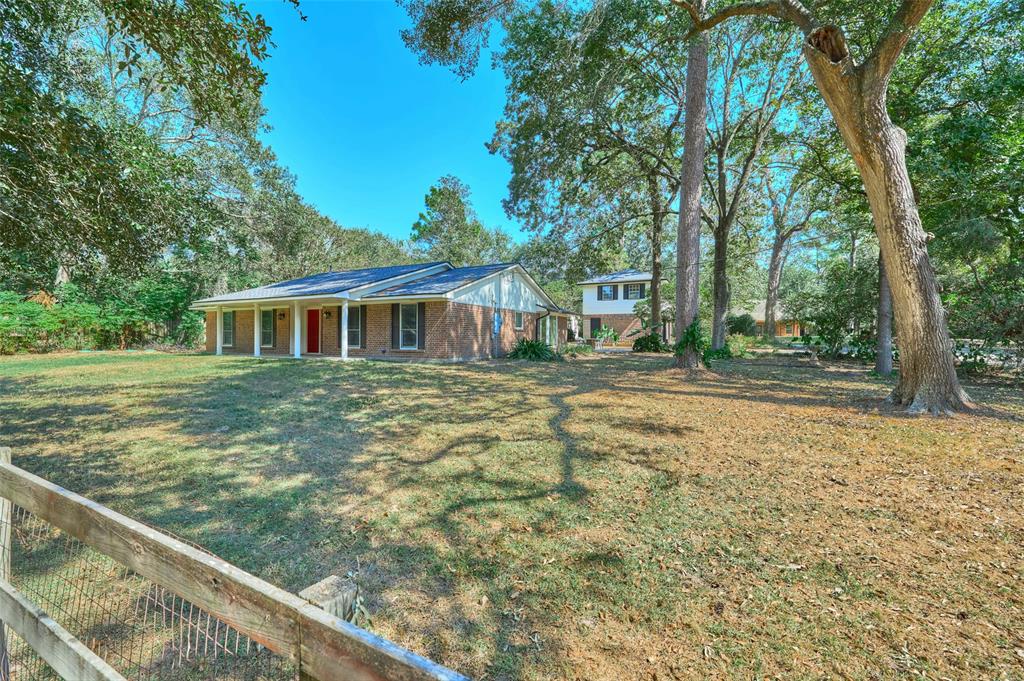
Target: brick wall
<point>329,344</point>
<point>244,325</point>
<point>623,323</point>
<point>244,320</point>
<point>454,331</point>
<point>211,332</point>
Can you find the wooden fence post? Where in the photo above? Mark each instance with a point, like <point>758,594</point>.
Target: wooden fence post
<point>335,595</point>
<point>6,517</point>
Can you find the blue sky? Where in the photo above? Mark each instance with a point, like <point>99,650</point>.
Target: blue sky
<point>366,128</point>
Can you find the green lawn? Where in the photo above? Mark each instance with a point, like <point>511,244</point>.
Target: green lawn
<point>600,518</point>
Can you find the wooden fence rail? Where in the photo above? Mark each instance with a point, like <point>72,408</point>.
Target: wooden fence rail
<point>65,654</point>
<point>323,646</point>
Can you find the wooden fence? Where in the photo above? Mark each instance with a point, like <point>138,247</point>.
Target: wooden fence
<point>321,646</point>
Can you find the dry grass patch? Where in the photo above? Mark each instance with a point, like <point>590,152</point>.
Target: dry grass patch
<point>592,519</point>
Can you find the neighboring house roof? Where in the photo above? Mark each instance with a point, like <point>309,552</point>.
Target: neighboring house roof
<point>559,310</point>
<point>757,311</point>
<point>441,282</point>
<point>325,283</point>
<point>619,277</point>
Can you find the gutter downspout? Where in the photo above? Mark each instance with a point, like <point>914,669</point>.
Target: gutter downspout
<point>536,323</point>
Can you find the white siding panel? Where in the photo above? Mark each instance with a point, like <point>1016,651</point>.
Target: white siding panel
<point>593,306</point>
<point>508,290</point>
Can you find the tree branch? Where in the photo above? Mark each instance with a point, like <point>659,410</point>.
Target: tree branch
<point>792,11</point>
<point>882,59</point>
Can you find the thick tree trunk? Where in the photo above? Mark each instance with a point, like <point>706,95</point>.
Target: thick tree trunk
<point>883,355</point>
<point>720,289</point>
<point>774,279</point>
<point>656,272</point>
<point>692,178</point>
<point>927,379</point>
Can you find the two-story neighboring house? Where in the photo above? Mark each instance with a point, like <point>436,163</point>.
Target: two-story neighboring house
<point>608,301</point>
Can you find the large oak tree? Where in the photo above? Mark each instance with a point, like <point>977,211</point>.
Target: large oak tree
<point>855,93</point>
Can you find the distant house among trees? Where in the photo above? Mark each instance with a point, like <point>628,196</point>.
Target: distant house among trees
<point>610,300</point>
<point>785,326</point>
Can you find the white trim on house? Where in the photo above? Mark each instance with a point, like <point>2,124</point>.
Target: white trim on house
<point>223,328</point>
<point>273,326</point>
<point>415,327</point>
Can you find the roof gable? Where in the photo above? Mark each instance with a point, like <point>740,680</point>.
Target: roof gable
<point>441,282</point>
<point>618,277</point>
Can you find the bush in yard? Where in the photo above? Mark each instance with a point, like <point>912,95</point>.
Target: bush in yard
<point>738,344</point>
<point>533,350</point>
<point>722,353</point>
<point>743,324</point>
<point>577,349</point>
<point>693,338</point>
<point>606,333</point>
<point>651,342</point>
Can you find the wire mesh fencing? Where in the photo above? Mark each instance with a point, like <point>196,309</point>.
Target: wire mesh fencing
<point>142,629</point>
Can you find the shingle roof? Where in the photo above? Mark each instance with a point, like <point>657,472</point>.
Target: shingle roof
<point>621,275</point>
<point>440,283</point>
<point>325,283</point>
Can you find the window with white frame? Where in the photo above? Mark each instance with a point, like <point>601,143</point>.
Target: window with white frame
<point>519,320</point>
<point>267,335</point>
<point>408,326</point>
<point>227,336</point>
<point>607,292</point>
<point>634,291</point>
<point>355,327</point>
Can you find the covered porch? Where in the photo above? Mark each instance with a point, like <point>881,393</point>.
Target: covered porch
<point>326,327</point>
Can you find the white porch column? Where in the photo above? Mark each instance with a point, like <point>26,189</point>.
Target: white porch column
<point>296,331</point>
<point>257,331</point>
<point>220,331</point>
<point>344,329</point>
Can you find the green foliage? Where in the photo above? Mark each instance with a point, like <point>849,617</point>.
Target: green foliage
<point>151,310</point>
<point>692,338</point>
<point>84,172</point>
<point>606,333</point>
<point>651,342</point>
<point>743,324</point>
<point>739,344</point>
<point>841,304</point>
<point>534,351</point>
<point>450,230</point>
<point>736,345</point>
<point>592,138</point>
<point>721,353</point>
<point>576,349</point>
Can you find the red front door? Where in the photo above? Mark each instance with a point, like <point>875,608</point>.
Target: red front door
<point>312,330</point>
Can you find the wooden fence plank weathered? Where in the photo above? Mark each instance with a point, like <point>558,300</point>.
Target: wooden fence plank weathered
<point>325,647</point>
<point>68,656</point>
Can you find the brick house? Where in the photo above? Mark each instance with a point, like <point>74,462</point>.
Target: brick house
<point>425,311</point>
<point>609,300</point>
<point>785,325</point>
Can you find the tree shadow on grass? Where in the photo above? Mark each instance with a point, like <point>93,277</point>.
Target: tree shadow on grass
<point>254,458</point>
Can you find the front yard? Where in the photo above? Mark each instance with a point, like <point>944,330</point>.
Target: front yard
<point>601,518</point>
